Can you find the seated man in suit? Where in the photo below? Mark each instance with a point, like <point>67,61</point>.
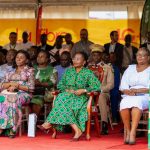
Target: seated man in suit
<point>115,47</point>
<point>107,83</point>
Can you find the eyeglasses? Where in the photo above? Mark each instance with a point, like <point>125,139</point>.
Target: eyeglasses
<point>140,55</point>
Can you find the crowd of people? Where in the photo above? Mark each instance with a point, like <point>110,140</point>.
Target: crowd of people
<point>29,74</point>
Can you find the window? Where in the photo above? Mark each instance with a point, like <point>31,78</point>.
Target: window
<point>108,15</point>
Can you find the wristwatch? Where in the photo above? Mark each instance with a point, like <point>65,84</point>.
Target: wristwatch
<point>85,90</point>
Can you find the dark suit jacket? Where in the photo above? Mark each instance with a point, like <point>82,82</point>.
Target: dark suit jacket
<point>134,49</point>
<point>48,48</point>
<point>144,45</point>
<point>118,51</point>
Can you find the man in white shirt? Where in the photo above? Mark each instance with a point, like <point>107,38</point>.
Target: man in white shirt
<point>13,42</point>
<point>26,44</point>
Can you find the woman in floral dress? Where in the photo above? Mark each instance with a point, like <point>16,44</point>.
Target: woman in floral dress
<point>70,106</point>
<point>16,90</point>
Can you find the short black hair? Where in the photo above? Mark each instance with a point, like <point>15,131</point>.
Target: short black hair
<point>84,55</point>
<point>68,35</point>
<point>66,53</point>
<point>128,36</point>
<point>46,52</point>
<point>113,32</point>
<point>34,46</point>
<point>4,51</point>
<point>14,33</point>
<point>25,33</point>
<point>44,35</point>
<point>84,30</point>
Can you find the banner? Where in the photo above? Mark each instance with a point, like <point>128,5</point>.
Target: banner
<point>99,30</point>
<point>38,25</point>
<point>145,22</point>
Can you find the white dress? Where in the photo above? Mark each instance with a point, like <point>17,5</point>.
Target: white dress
<point>133,79</point>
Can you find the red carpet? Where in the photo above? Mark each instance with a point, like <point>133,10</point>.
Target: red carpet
<point>112,141</point>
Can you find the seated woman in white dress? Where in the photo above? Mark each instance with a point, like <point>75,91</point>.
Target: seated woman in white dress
<point>135,88</point>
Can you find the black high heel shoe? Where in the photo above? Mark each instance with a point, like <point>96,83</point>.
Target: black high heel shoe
<point>43,129</point>
<point>12,134</point>
<point>47,130</point>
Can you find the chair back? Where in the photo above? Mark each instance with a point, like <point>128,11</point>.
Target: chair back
<point>98,71</point>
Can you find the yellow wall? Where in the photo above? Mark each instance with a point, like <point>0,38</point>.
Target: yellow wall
<point>98,29</point>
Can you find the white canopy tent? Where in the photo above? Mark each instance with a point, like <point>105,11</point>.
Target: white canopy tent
<point>74,9</point>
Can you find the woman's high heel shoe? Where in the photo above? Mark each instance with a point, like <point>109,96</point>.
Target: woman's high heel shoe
<point>43,129</point>
<point>47,130</point>
<point>54,133</point>
<point>12,134</point>
<point>132,140</point>
<point>76,139</point>
<point>126,137</point>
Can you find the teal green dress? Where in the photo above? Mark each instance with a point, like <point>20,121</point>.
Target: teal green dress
<point>68,107</point>
<point>48,75</point>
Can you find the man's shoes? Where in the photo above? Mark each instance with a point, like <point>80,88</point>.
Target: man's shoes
<point>115,122</point>
<point>104,128</point>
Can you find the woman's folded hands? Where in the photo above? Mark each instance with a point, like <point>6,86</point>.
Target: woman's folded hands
<point>77,92</point>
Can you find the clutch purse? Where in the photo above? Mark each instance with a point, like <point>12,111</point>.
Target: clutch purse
<point>9,96</point>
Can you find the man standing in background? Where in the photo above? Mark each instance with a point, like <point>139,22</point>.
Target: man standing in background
<point>82,45</point>
<point>13,42</point>
<point>116,48</point>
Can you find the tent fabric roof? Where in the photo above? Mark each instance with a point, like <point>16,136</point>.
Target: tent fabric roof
<point>69,2</point>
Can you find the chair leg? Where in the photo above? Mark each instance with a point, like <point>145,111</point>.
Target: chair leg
<point>26,115</point>
<point>20,130</point>
<point>88,129</point>
<point>110,121</point>
<point>45,111</point>
<point>97,126</point>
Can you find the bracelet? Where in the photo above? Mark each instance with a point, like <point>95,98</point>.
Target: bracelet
<point>85,90</point>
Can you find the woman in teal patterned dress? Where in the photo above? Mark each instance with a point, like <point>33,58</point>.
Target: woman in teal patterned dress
<point>46,78</point>
<point>70,106</point>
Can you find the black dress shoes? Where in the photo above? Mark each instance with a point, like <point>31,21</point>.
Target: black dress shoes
<point>104,128</point>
